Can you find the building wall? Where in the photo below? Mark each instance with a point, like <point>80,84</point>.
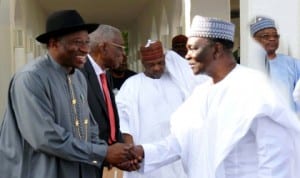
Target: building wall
<point>6,51</point>
<point>20,22</point>
<point>163,19</point>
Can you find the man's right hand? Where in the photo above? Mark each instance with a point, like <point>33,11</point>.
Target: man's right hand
<point>137,152</point>
<point>119,153</point>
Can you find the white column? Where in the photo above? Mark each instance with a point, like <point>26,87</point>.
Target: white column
<point>6,54</point>
<point>208,8</point>
<point>286,15</point>
<point>20,58</point>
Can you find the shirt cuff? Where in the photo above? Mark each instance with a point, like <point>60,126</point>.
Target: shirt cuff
<point>149,157</point>
<point>98,154</point>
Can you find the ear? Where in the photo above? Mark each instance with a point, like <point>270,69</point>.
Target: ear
<point>53,43</point>
<point>256,38</point>
<point>102,47</point>
<point>218,50</point>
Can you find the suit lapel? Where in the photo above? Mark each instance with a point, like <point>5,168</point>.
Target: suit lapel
<point>93,81</point>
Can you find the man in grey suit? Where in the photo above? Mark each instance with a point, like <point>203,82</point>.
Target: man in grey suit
<point>48,130</point>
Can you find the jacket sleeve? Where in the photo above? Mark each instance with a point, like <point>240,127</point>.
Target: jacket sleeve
<point>274,149</point>
<point>37,124</point>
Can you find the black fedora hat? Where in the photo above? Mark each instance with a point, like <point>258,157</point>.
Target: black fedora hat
<point>64,22</point>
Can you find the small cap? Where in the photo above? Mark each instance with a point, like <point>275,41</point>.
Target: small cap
<point>152,50</point>
<point>261,23</point>
<point>208,27</point>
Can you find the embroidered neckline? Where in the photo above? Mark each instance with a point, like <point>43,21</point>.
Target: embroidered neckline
<point>76,120</point>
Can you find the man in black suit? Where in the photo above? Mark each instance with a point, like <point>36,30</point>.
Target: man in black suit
<point>106,52</point>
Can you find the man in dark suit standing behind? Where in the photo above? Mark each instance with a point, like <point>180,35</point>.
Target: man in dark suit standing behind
<point>106,52</point>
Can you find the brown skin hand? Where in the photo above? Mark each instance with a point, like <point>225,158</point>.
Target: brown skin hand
<point>118,153</point>
<point>127,138</point>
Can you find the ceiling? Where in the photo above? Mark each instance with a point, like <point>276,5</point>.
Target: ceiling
<point>118,13</point>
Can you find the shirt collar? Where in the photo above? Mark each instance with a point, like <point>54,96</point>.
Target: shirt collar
<point>59,66</point>
<point>96,67</point>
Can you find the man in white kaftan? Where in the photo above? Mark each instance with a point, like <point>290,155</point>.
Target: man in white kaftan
<point>229,142</point>
<point>145,104</point>
<point>231,127</point>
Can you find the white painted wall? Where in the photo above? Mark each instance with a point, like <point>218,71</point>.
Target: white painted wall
<point>6,51</point>
<point>211,8</point>
<point>26,16</point>
<point>161,20</point>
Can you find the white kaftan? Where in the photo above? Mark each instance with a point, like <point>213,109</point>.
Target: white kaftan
<point>145,106</point>
<point>236,128</point>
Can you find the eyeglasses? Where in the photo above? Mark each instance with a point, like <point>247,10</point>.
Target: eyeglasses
<point>78,43</point>
<point>121,47</point>
<point>268,37</point>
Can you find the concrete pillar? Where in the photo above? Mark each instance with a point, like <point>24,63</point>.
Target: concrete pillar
<point>20,58</point>
<point>210,8</point>
<point>6,62</point>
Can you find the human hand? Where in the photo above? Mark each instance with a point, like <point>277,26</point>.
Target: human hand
<point>132,165</point>
<point>119,153</point>
<point>137,152</point>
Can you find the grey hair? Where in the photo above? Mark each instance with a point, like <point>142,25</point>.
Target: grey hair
<point>104,33</point>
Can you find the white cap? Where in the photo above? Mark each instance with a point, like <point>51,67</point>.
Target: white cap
<point>208,27</point>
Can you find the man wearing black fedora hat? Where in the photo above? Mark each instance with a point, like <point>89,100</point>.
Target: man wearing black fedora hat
<point>48,130</point>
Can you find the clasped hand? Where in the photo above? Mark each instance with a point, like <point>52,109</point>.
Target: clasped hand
<point>126,157</point>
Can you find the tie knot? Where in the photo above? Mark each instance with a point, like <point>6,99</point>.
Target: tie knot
<point>103,76</point>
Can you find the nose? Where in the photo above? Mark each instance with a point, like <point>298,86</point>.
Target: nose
<point>84,48</point>
<point>188,56</point>
<point>158,68</point>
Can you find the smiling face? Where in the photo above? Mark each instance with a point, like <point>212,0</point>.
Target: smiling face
<point>269,39</point>
<point>200,54</point>
<point>70,50</point>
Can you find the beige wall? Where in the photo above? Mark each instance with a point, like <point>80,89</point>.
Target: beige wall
<point>25,17</point>
<point>6,51</point>
<point>163,19</point>
<point>211,8</point>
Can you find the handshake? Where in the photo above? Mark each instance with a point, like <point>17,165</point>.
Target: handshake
<point>124,156</point>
